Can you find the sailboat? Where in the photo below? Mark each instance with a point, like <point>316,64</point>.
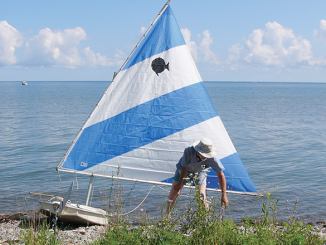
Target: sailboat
<point>155,106</point>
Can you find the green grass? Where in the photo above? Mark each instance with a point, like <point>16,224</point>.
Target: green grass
<point>43,234</point>
<point>197,226</point>
<point>193,225</point>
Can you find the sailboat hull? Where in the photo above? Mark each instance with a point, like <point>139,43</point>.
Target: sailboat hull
<point>75,213</point>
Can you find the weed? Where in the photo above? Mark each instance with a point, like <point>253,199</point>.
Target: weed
<point>192,223</point>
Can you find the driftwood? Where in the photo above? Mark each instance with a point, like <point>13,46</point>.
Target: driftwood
<point>40,194</point>
<point>6,217</point>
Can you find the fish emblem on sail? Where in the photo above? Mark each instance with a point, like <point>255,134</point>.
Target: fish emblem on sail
<point>145,119</point>
<point>158,65</point>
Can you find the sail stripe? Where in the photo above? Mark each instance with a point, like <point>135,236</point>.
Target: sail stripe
<point>236,175</point>
<point>164,35</point>
<point>141,125</point>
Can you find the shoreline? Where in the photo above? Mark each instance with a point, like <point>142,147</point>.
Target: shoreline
<point>12,229</point>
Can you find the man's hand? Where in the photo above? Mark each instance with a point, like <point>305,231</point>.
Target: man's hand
<point>224,200</point>
<point>222,182</point>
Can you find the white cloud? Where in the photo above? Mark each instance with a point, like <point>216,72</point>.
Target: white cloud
<point>201,52</point>
<point>51,48</point>
<point>142,30</point>
<point>10,39</point>
<point>321,34</point>
<point>191,44</point>
<point>273,46</point>
<point>139,35</point>
<point>92,59</point>
<point>61,48</point>
<point>209,56</point>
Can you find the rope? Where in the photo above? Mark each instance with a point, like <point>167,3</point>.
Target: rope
<point>59,176</point>
<point>77,181</point>
<point>139,203</point>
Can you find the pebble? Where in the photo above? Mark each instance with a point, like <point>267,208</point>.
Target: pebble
<point>11,233</point>
<point>320,222</point>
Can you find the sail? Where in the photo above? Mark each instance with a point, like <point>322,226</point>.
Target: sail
<point>156,106</point>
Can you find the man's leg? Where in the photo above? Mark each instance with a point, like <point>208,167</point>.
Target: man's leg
<point>202,182</point>
<point>202,189</point>
<point>172,198</point>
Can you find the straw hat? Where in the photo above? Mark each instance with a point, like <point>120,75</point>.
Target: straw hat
<point>205,147</point>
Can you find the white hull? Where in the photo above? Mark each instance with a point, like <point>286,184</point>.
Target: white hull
<point>75,213</point>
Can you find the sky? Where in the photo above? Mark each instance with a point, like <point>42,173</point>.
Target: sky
<point>256,40</point>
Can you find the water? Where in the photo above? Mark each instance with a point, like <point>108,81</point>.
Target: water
<point>278,129</point>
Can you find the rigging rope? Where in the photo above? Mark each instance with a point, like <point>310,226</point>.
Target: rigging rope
<point>144,201</point>
<point>77,181</point>
<point>138,205</point>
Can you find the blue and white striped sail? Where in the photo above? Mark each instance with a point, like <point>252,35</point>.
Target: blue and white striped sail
<point>156,106</point>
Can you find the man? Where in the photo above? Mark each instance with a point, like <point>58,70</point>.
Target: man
<point>196,160</point>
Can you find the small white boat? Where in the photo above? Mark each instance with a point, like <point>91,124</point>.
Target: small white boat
<point>69,212</point>
<point>73,213</point>
<point>24,83</point>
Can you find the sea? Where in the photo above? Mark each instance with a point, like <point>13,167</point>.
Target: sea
<point>278,129</point>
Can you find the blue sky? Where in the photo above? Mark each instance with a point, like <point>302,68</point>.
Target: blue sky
<point>255,40</point>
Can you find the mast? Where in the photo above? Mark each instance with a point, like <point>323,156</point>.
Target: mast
<point>90,186</point>
<point>114,75</point>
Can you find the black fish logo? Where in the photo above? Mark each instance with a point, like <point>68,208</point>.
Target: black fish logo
<point>158,65</point>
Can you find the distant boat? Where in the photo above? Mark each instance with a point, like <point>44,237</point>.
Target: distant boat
<point>24,83</point>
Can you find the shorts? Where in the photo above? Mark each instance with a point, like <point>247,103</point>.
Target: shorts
<point>192,178</point>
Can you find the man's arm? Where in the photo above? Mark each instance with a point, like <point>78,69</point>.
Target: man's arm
<point>222,181</point>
